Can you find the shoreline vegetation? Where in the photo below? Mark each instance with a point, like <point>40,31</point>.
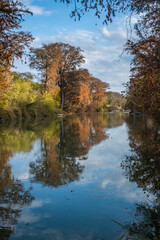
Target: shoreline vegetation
<point>64,86</point>
<point>23,100</point>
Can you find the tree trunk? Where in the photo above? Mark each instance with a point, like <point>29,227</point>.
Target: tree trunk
<point>60,144</point>
<point>62,98</point>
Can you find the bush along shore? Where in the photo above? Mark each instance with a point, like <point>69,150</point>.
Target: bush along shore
<point>21,98</point>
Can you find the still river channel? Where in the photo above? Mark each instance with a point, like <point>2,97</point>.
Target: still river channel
<point>89,176</point>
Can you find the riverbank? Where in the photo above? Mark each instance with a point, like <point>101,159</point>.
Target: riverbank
<point>32,111</point>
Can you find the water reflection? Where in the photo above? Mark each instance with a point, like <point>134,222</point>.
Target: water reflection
<point>13,196</point>
<point>143,167</point>
<point>146,224</point>
<point>59,165</point>
<point>62,151</point>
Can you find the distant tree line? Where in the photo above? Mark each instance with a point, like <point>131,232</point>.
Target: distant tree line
<point>115,101</point>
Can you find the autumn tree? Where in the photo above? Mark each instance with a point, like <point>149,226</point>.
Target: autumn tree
<point>84,92</point>
<point>143,90</point>
<point>12,41</point>
<point>4,84</point>
<point>77,92</point>
<point>144,44</point>
<point>97,89</point>
<point>98,92</point>
<point>55,61</point>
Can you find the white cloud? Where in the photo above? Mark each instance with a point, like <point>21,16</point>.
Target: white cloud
<point>37,40</point>
<point>116,38</point>
<point>39,203</point>
<point>105,32</point>
<point>37,10</point>
<point>21,160</point>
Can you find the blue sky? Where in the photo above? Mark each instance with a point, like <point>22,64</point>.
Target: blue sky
<point>102,45</point>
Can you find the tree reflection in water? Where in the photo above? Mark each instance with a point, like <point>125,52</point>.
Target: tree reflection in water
<point>65,145</point>
<point>143,167</point>
<point>59,164</point>
<point>13,196</point>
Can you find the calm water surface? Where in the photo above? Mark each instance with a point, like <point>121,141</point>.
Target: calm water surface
<point>90,176</point>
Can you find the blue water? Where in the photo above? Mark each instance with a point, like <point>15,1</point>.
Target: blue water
<point>72,170</point>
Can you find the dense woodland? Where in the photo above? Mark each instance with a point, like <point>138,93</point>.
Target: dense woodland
<point>64,85</point>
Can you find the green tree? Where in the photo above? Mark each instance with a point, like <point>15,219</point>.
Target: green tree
<point>84,92</point>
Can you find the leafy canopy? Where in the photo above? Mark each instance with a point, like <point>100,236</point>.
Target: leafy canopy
<point>12,41</point>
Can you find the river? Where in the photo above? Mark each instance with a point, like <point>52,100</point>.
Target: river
<point>89,176</point>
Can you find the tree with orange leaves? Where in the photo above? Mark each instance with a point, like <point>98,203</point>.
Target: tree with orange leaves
<point>12,41</point>
<point>143,90</point>
<point>55,61</point>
